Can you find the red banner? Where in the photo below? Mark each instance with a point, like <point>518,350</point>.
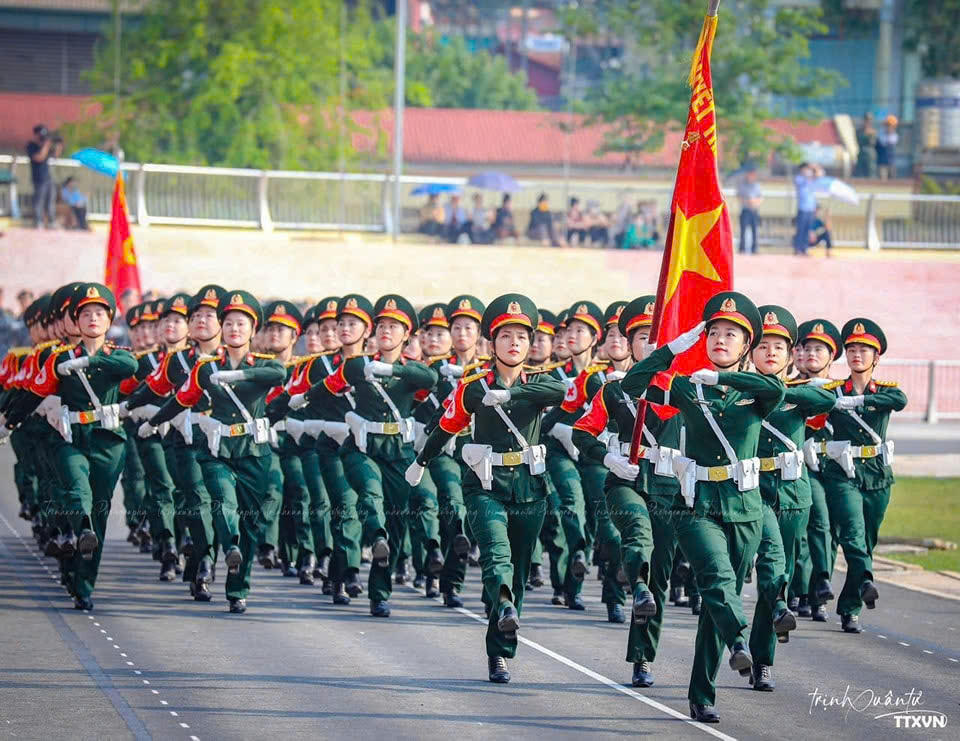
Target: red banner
<point>123,272</point>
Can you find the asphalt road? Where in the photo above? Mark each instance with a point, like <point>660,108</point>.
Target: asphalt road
<point>148,662</point>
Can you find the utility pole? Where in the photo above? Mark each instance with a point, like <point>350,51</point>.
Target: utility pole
<point>399,71</point>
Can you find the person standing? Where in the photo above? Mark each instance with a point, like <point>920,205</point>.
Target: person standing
<point>805,182</point>
<point>867,143</point>
<point>856,469</point>
<point>504,490</point>
<point>40,149</point>
<point>748,192</point>
<point>722,409</point>
<point>887,148</point>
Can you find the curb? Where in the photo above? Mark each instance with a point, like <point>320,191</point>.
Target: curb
<point>950,574</point>
<point>899,565</point>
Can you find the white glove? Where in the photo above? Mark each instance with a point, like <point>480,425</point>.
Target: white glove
<point>496,396</point>
<point>377,368</point>
<point>313,427</point>
<point>68,366</point>
<point>451,371</point>
<point>705,377</point>
<point>298,401</point>
<point>648,348</point>
<point>413,474</point>
<point>687,340</point>
<point>124,411</point>
<point>615,375</point>
<point>146,430</point>
<point>227,376</point>
<point>849,402</point>
<point>818,382</point>
<point>620,466</point>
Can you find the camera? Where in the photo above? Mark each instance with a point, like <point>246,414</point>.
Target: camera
<point>42,131</point>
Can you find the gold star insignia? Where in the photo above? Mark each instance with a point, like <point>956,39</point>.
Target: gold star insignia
<point>686,252</point>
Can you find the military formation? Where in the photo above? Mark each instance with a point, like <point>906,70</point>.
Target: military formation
<point>347,444</point>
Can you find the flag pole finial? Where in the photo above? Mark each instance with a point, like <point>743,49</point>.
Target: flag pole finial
<point>712,6</point>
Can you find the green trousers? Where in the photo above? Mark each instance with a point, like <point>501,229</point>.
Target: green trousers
<point>296,533</point>
<point>505,533</point>
<point>89,469</point>
<point>719,554</point>
<point>345,527</point>
<point>181,521</point>
<point>846,504</point>
<point>607,538</point>
<point>238,489</point>
<point>132,479</point>
<point>573,520</point>
<point>423,523</point>
<point>817,552</point>
<point>160,486</point>
<point>382,499</point>
<point>272,503</point>
<point>552,538</point>
<point>447,475</point>
<point>875,503</point>
<point>24,470</point>
<point>197,508</point>
<point>319,500</point>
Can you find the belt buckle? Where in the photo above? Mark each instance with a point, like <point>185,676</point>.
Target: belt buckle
<point>717,473</point>
<point>238,429</point>
<point>868,451</point>
<point>86,418</point>
<point>391,428</point>
<point>512,458</point>
<point>768,464</point>
<point>821,448</point>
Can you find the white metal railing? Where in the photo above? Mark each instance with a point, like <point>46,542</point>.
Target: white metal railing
<point>932,386</point>
<point>283,199</point>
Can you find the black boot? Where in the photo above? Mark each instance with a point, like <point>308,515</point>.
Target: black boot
<point>340,596</point>
<point>575,602</point>
<point>434,562</point>
<point>644,606</point>
<point>740,660</point>
<point>451,598</point>
<point>677,598</point>
<point>306,570</point>
<point>233,560</point>
<point>497,669</point>
<point>326,586</point>
<point>322,569</point>
<point>238,606</point>
<point>536,576</point>
<point>509,620</point>
<point>461,545</point>
<point>266,556</point>
<point>204,575</point>
<point>380,608</point>
<point>869,594</point>
<point>850,624</point>
<point>820,614</point>
<point>557,598</point>
<point>703,713</point>
<point>578,566</point>
<point>82,603</point>
<point>696,604</point>
<point>804,609</point>
<point>473,556</point>
<point>87,543</point>
<point>418,581</point>
<point>186,546</point>
<point>353,585</point>
<point>615,613</point>
<point>168,571</point>
<point>431,590</point>
<point>380,553</point>
<point>824,591</point>
<point>642,674</point>
<point>201,592</point>
<point>793,604</point>
<point>132,535</point>
<point>783,622</point>
<point>761,678</point>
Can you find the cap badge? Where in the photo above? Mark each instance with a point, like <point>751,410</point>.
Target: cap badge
<point>513,308</point>
<point>391,304</point>
<point>236,299</point>
<point>818,328</point>
<point>648,309</point>
<point>281,310</point>
<point>92,292</point>
<point>465,304</point>
<point>438,313</point>
<point>178,302</point>
<point>619,311</point>
<point>728,305</point>
<point>210,295</point>
<point>770,319</point>
<point>859,328</point>
<point>582,309</point>
<point>351,303</point>
<point>331,305</point>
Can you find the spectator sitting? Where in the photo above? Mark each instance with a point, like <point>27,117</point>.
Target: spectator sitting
<point>77,202</point>
<point>820,230</point>
<point>598,225</point>
<point>576,226</point>
<point>503,225</point>
<point>622,221</point>
<point>887,147</point>
<point>455,221</point>
<point>541,223</point>
<point>480,218</point>
<point>431,217</point>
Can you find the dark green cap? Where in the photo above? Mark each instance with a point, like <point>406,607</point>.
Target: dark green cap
<point>588,313</point>
<point>547,322</point>
<point>60,300</point>
<point>434,315</point>
<point>285,313</point>
<point>356,305</point>
<point>612,315</point>
<point>511,308</point>
<point>778,321</point>
<point>638,313</point>
<point>393,306</point>
<point>322,311</point>
<point>178,303</point>
<point>209,295</point>
<point>863,331</point>
<point>92,293</point>
<point>132,316</point>
<point>562,319</point>
<point>736,308</point>
<point>465,305</point>
<point>241,301</point>
<point>822,330</point>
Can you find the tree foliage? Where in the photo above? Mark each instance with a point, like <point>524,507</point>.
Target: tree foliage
<point>756,58</point>
<point>932,30</point>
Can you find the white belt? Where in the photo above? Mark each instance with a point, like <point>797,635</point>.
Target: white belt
<point>280,426</point>
<point>513,458</point>
<point>646,453</point>
<point>721,473</point>
<point>866,451</point>
<point>90,416</point>
<point>239,429</point>
<point>383,428</point>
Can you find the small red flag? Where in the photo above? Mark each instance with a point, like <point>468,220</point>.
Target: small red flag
<point>123,272</point>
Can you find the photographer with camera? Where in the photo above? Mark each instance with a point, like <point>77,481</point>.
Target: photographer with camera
<point>40,149</point>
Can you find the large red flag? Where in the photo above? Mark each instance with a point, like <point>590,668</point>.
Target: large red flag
<point>698,257</point>
<point>122,273</point>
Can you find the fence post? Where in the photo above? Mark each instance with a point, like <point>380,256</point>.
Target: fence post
<point>387,211</point>
<point>266,223</point>
<point>14,200</point>
<point>140,185</point>
<point>931,415</point>
<point>873,236</point>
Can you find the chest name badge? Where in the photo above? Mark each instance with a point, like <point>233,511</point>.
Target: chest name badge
<point>743,402</point>
<point>788,407</point>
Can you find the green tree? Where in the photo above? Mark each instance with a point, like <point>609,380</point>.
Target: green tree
<point>932,29</point>
<point>756,58</point>
<point>252,83</point>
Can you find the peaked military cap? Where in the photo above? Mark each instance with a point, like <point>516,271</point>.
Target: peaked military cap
<point>393,306</point>
<point>588,313</point>
<point>150,312</point>
<point>323,310</point>
<point>638,313</point>
<point>465,305</point>
<point>178,303</point>
<point>434,315</point>
<point>823,331</point>
<point>863,331</point>
<point>778,321</point>
<point>511,308</point>
<point>241,301</point>
<point>611,316</point>
<point>92,293</point>
<point>356,305</point>
<point>132,317</point>
<point>547,322</point>
<point>562,319</point>
<point>209,295</point>
<point>736,308</point>
<point>285,313</point>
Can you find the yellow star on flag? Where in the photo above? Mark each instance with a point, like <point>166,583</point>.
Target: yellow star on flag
<point>686,250</point>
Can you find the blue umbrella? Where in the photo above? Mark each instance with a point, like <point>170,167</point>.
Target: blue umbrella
<point>433,189</point>
<point>97,160</point>
<point>498,181</point>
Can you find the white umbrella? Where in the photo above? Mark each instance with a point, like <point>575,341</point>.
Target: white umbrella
<point>838,189</point>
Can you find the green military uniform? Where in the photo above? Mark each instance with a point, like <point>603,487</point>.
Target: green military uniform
<point>374,466</point>
<point>235,469</point>
<point>858,496</point>
<point>785,490</point>
<point>721,538</point>
<point>579,486</point>
<point>506,508</point>
<point>133,478</point>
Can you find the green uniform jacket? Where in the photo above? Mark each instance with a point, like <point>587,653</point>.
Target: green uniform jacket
<point>880,399</point>
<point>528,397</point>
<point>739,402</point>
<point>800,402</point>
<point>408,378</point>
